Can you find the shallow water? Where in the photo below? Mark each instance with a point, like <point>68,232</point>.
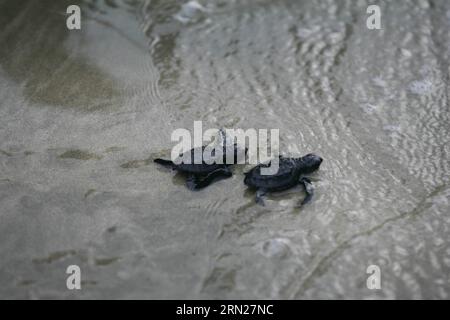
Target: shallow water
<point>83,112</point>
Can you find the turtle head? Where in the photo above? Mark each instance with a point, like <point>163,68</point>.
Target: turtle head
<point>310,162</point>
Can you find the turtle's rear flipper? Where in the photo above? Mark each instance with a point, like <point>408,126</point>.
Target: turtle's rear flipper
<point>260,193</point>
<point>309,189</point>
<point>191,182</point>
<point>163,162</point>
<point>194,182</point>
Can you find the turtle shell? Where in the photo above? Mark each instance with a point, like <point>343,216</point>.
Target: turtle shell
<point>286,177</point>
<point>197,168</point>
<point>205,168</point>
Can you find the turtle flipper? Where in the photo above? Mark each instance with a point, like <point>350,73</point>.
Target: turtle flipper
<point>194,182</point>
<point>163,162</point>
<point>309,189</point>
<point>260,193</point>
<point>191,182</point>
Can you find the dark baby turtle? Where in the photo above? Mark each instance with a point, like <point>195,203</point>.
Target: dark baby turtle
<point>290,173</point>
<point>203,174</point>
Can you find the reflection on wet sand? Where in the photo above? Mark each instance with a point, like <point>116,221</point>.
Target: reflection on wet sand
<point>84,113</point>
<point>34,53</point>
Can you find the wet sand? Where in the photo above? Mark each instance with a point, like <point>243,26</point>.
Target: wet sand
<point>83,112</point>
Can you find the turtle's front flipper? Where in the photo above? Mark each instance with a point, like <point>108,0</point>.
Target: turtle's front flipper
<point>309,189</point>
<point>195,182</point>
<point>260,193</point>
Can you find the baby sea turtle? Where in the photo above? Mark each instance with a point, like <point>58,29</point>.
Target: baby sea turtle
<point>290,173</point>
<point>203,174</point>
